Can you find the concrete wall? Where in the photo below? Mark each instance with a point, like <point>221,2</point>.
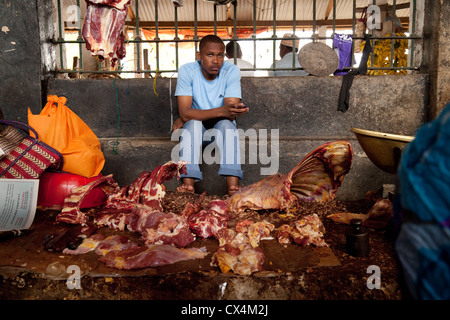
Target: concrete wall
<point>437,42</point>
<point>303,109</point>
<point>20,59</point>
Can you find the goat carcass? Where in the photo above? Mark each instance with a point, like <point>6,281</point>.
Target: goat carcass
<point>316,177</point>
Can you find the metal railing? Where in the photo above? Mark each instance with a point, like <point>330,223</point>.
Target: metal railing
<point>138,41</point>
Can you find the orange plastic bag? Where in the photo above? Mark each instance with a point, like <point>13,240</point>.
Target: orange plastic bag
<point>61,128</point>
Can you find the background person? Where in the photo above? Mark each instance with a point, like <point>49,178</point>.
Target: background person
<point>242,64</point>
<point>286,55</point>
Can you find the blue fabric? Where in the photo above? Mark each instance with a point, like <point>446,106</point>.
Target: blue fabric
<point>423,210</point>
<point>424,252</point>
<point>208,94</point>
<point>424,171</point>
<point>224,134</point>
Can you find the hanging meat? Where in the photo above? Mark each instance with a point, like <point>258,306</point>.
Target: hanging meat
<point>103,28</point>
<point>315,178</point>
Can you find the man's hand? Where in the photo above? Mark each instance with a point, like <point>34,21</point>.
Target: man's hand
<point>235,109</point>
<point>231,108</point>
<point>177,124</point>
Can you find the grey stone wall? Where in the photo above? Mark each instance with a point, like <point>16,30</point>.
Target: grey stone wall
<point>20,59</point>
<point>302,109</point>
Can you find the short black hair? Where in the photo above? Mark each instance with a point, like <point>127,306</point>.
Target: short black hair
<point>210,38</point>
<point>229,49</point>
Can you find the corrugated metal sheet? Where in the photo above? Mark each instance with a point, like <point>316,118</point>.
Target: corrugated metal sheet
<point>264,10</point>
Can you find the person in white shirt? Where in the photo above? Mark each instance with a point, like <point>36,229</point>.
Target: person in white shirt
<point>287,59</point>
<point>242,64</point>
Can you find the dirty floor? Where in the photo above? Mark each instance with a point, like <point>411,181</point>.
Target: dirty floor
<point>291,272</point>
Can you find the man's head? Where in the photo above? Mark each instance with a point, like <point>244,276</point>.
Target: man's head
<point>211,55</point>
<point>287,44</point>
<point>230,50</point>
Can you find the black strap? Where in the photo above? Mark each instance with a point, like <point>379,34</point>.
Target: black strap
<point>347,80</point>
<point>344,95</point>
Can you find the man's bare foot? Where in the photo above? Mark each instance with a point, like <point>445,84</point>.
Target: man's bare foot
<point>187,185</point>
<point>232,185</point>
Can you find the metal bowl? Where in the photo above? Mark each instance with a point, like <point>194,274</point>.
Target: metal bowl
<point>383,149</point>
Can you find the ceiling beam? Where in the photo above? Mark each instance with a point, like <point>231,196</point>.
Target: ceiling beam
<point>387,7</point>
<point>328,10</point>
<point>341,23</point>
<point>131,14</point>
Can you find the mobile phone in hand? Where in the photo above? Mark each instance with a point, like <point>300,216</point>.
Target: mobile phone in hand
<point>242,106</point>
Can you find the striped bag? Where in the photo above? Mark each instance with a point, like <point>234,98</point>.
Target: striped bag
<point>9,139</point>
<point>28,158</point>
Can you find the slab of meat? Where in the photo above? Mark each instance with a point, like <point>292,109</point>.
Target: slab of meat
<point>192,208</point>
<point>306,231</point>
<point>220,206</point>
<point>67,237</point>
<point>113,218</point>
<point>255,231</point>
<point>316,177</point>
<point>207,223</point>
<point>157,227</point>
<point>346,217</point>
<point>380,214</point>
<point>147,189</point>
<point>171,229</point>
<point>150,256</point>
<point>114,243</point>
<point>71,212</point>
<point>88,244</point>
<point>129,196</point>
<point>142,218</point>
<point>103,28</point>
<point>378,217</point>
<point>101,245</point>
<point>153,190</point>
<point>236,253</point>
<point>242,260</point>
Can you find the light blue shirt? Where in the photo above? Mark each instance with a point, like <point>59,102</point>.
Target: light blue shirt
<point>208,94</point>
